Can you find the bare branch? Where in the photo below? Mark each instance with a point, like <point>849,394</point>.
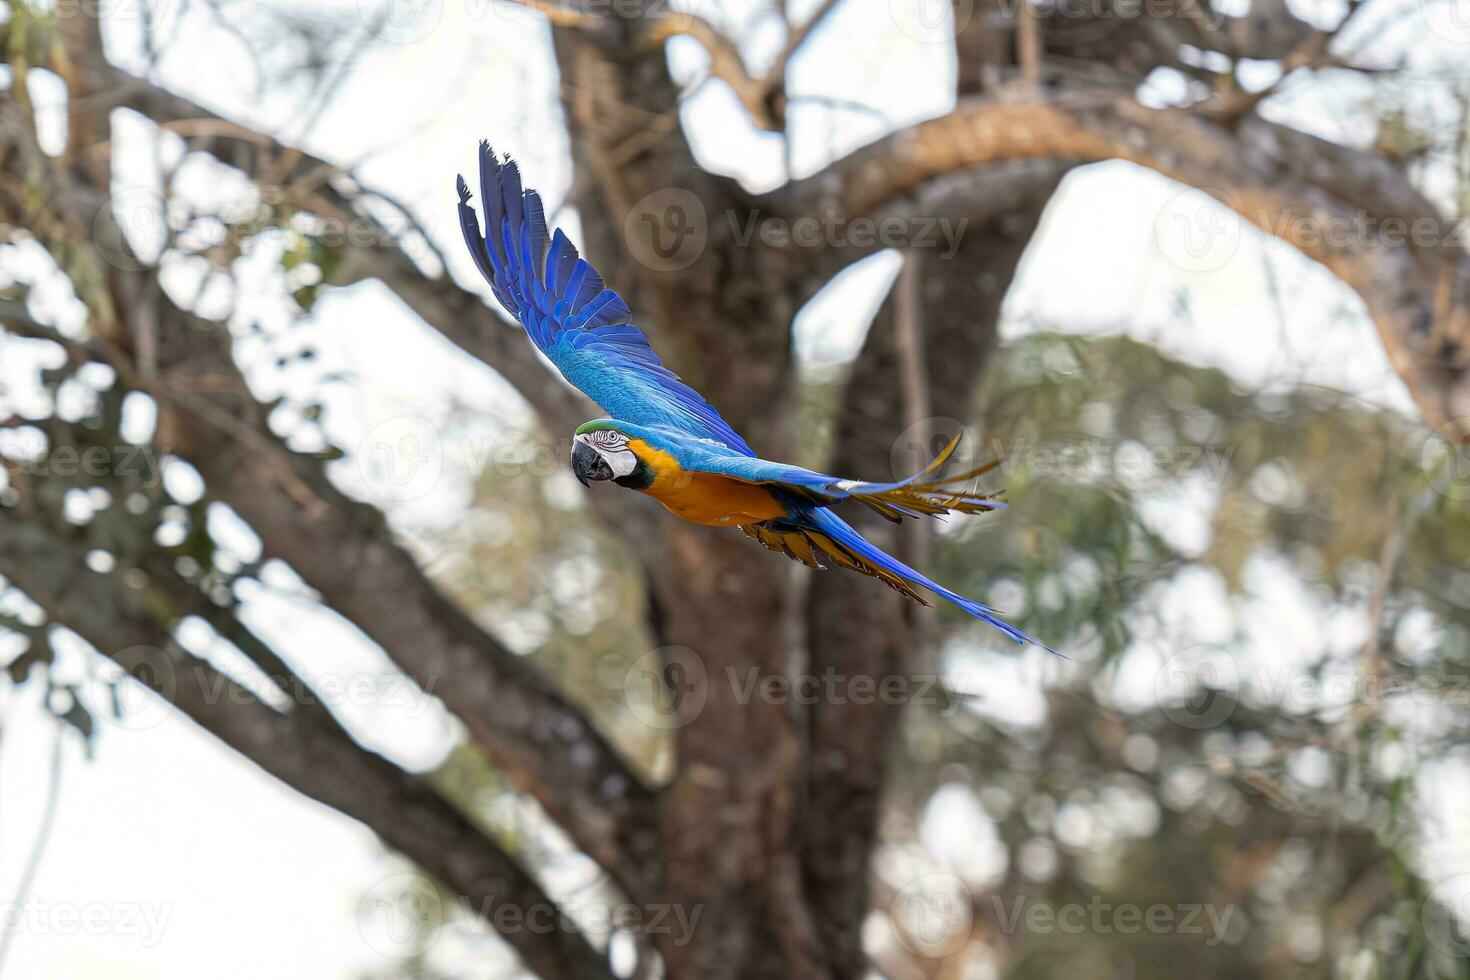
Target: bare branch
<point>316,760</point>
<point>462,316</point>
<point>763,97</point>
<point>1313,194</point>
<point>343,549</point>
<point>798,37</point>
<point>957,302</point>
<point>1310,52</point>
<point>725,63</point>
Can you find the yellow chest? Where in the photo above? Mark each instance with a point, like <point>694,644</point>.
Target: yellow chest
<point>705,498</point>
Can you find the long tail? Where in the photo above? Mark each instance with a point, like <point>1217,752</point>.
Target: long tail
<point>841,542</point>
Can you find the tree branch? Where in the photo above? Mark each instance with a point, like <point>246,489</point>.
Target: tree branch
<point>1329,201</point>
<point>763,97</point>
<point>344,550</point>
<point>316,760</point>
<point>462,316</point>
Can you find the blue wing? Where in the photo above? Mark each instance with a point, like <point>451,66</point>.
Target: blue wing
<point>580,325</point>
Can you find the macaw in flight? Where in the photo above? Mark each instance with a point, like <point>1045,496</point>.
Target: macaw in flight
<point>663,439</point>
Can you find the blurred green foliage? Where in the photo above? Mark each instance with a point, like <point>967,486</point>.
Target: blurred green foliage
<point>1279,807</point>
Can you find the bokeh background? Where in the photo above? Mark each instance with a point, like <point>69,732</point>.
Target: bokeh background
<point>320,663</point>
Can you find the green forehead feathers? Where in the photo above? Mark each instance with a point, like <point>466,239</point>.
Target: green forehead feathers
<point>597,425</point>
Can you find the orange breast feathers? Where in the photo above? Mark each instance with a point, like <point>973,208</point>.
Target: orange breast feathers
<point>704,498</point>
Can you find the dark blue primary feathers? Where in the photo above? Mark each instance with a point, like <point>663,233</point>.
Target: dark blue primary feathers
<point>580,325</point>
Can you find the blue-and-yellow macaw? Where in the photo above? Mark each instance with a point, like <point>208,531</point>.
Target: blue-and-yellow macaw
<point>663,439</point>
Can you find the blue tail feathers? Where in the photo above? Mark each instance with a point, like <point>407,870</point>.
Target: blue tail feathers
<point>834,527</point>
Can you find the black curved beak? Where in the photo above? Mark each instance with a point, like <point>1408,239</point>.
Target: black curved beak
<point>588,465</point>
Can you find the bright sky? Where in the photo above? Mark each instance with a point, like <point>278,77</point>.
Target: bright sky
<point>175,850</point>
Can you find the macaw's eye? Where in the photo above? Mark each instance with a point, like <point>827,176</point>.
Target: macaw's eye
<point>609,439</point>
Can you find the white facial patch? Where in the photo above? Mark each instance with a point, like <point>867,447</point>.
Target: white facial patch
<point>613,448</point>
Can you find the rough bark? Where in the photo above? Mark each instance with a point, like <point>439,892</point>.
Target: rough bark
<point>1315,195</point>
<point>770,817</point>
<point>727,821</point>
<point>304,752</point>
<point>853,632</point>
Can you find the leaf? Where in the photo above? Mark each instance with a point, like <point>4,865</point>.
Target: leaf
<point>305,297</point>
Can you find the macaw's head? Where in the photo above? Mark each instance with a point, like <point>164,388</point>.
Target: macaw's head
<point>600,451</point>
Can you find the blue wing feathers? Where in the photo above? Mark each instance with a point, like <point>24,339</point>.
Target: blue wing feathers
<point>508,178</point>
<point>536,235</point>
<point>559,263</point>
<point>585,284</point>
<point>585,329</point>
<point>606,308</point>
<point>491,200</point>
<point>470,225</point>
<point>568,312</point>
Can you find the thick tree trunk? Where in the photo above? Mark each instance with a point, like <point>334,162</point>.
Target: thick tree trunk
<point>776,901</point>
<point>768,823</point>
<point>728,820</point>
